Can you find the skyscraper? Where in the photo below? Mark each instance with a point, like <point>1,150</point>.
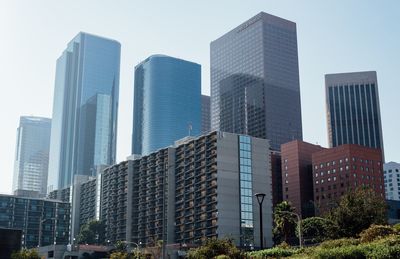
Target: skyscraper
<point>205,114</point>
<point>84,129</point>
<point>32,154</point>
<point>353,112</point>
<point>167,102</point>
<point>255,86</point>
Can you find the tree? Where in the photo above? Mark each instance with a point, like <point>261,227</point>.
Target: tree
<point>284,222</point>
<point>357,210</point>
<point>215,248</point>
<point>316,230</point>
<point>92,233</point>
<point>25,254</point>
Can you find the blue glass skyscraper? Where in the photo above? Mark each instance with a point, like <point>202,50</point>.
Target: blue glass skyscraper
<point>32,154</point>
<point>167,102</point>
<point>84,129</point>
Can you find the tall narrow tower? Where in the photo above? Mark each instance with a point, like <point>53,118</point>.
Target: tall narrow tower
<point>353,113</point>
<point>84,128</point>
<point>32,155</point>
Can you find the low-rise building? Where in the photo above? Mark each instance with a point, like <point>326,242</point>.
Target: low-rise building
<point>42,221</point>
<point>343,168</point>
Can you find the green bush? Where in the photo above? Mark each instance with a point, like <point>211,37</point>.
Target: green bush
<point>375,232</point>
<point>275,252</point>
<point>215,247</point>
<point>386,252</point>
<point>25,254</point>
<point>339,243</point>
<point>222,257</point>
<point>317,229</point>
<point>396,228</point>
<point>343,252</point>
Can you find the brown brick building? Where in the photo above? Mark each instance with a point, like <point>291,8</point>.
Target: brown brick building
<point>346,167</point>
<point>297,178</point>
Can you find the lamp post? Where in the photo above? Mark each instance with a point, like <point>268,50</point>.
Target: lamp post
<point>298,223</point>
<point>260,198</point>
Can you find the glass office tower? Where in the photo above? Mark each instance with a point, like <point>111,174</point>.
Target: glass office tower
<point>167,102</point>
<point>84,129</point>
<point>255,86</point>
<point>205,114</point>
<point>32,154</point>
<point>353,112</point>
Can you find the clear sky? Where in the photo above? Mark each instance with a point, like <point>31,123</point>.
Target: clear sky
<point>333,36</point>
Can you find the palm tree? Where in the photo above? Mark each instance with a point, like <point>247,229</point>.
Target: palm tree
<point>285,222</point>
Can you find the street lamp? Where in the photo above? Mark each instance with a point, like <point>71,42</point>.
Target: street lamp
<point>298,223</point>
<point>260,198</point>
<point>129,242</point>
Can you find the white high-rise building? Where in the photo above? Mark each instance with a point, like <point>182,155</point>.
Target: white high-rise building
<point>391,171</point>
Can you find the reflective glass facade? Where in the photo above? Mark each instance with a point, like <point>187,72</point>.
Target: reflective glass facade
<point>83,134</point>
<point>205,114</point>
<point>246,193</point>
<point>167,102</point>
<point>32,154</point>
<point>353,109</point>
<point>255,80</point>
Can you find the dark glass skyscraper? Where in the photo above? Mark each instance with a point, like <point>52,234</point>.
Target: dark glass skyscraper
<point>84,129</point>
<point>167,102</point>
<point>353,112</point>
<point>255,80</point>
<point>32,154</point>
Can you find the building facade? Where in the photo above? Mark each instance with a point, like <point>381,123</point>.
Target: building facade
<point>32,155</point>
<point>84,128</point>
<point>255,86</point>
<point>297,175</point>
<point>343,168</point>
<point>200,188</point>
<point>353,112</point>
<point>167,102</point>
<point>391,173</point>
<point>205,114</point>
<point>276,169</point>
<point>42,221</point>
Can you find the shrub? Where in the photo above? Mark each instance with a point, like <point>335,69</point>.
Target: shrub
<point>316,229</point>
<point>25,254</point>
<point>119,255</point>
<point>222,257</point>
<point>339,243</point>
<point>384,252</point>
<point>215,247</point>
<point>375,232</point>
<point>275,252</point>
<point>343,252</point>
<point>397,228</point>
